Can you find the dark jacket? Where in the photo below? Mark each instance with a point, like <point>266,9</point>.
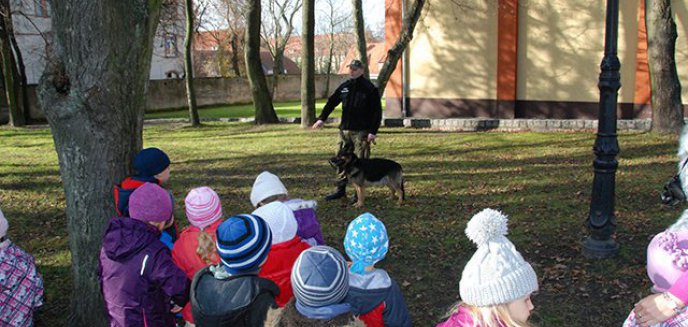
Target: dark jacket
<point>137,276</point>
<point>241,300</point>
<point>290,317</point>
<point>361,108</point>
<point>377,299</point>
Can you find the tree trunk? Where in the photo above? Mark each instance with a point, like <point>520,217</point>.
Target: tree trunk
<point>235,55</point>
<point>23,84</point>
<point>188,66</point>
<point>94,97</point>
<point>667,109</point>
<point>359,29</point>
<point>9,68</point>
<point>265,112</point>
<point>308,64</point>
<point>394,53</point>
<point>20,69</point>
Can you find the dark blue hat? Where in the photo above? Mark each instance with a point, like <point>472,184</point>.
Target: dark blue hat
<point>151,161</point>
<point>243,243</point>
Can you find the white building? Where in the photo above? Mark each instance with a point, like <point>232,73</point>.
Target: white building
<point>32,29</point>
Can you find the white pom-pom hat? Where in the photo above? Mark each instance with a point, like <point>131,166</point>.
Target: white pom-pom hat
<point>497,273</point>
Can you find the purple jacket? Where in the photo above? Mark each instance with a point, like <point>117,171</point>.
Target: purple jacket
<point>137,276</point>
<point>309,227</point>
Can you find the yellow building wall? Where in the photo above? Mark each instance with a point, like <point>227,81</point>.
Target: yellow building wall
<point>680,10</point>
<point>453,54</point>
<point>561,45</point>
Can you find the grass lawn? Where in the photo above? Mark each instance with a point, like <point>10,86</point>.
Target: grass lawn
<point>541,180</point>
<point>283,109</point>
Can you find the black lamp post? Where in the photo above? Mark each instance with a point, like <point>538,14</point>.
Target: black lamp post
<point>601,221</point>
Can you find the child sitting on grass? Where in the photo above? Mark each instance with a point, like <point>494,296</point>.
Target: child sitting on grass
<point>195,247</point>
<point>373,294</point>
<point>152,166</point>
<point>286,247</point>
<point>140,283</point>
<point>269,188</point>
<point>496,284</point>
<point>231,293</point>
<point>667,267</point>
<point>20,282</point>
<point>321,281</point>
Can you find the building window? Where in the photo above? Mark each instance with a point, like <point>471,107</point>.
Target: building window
<point>41,8</point>
<point>170,45</point>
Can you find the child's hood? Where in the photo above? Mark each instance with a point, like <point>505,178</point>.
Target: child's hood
<point>125,237</point>
<point>367,291</point>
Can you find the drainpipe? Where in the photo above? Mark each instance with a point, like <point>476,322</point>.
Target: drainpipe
<point>405,103</point>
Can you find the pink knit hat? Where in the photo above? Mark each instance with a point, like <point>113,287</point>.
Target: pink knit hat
<point>667,258</point>
<point>150,202</point>
<point>203,207</point>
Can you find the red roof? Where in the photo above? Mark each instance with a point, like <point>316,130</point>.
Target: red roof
<point>376,57</point>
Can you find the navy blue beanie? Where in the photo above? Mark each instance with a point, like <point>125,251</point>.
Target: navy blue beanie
<point>243,242</point>
<point>151,161</point>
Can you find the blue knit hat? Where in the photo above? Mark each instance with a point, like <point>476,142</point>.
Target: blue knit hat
<point>366,242</point>
<point>243,242</point>
<point>319,277</point>
<point>151,161</point>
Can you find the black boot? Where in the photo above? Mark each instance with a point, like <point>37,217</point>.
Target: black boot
<point>354,199</point>
<point>338,194</point>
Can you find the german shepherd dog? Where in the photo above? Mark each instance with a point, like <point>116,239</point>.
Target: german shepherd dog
<point>365,172</point>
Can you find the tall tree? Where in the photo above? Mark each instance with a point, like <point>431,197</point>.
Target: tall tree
<point>94,97</point>
<point>194,120</point>
<point>265,112</point>
<point>667,109</point>
<point>359,29</point>
<point>277,30</point>
<point>22,84</point>
<point>394,53</point>
<point>308,64</point>
<point>10,71</point>
<point>336,20</point>
<point>228,30</point>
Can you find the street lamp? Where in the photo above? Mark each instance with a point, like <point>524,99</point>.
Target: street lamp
<point>601,221</point>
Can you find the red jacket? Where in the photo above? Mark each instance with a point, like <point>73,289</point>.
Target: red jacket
<point>277,267</point>
<point>185,257</point>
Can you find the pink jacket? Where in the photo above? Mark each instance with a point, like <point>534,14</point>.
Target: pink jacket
<point>461,318</point>
<point>680,288</point>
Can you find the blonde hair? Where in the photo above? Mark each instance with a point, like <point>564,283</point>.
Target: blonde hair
<point>206,247</point>
<point>489,316</point>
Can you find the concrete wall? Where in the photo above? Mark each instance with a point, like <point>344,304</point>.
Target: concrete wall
<point>171,93</point>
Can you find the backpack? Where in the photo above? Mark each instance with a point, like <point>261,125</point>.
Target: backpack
<point>123,192</point>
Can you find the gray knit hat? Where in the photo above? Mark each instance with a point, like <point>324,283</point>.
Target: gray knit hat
<point>319,277</point>
<point>497,273</point>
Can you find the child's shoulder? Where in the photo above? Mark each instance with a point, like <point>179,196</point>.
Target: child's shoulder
<point>299,204</point>
<point>458,319</point>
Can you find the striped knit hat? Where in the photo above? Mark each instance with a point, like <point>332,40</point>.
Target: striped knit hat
<point>319,277</point>
<point>243,242</point>
<point>202,207</point>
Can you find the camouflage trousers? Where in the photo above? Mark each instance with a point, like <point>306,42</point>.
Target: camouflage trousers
<point>352,142</point>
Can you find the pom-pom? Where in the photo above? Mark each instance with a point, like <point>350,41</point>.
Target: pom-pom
<point>486,226</point>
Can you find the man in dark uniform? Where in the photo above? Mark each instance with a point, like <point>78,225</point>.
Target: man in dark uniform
<point>361,116</point>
